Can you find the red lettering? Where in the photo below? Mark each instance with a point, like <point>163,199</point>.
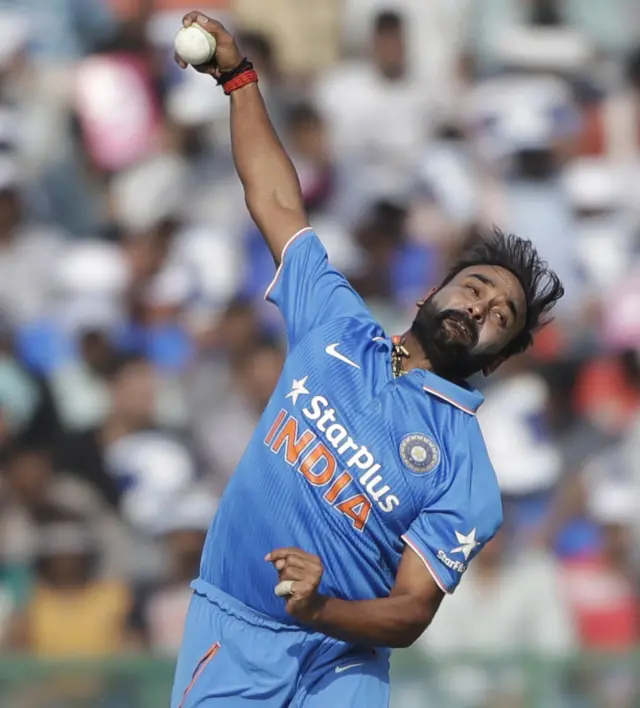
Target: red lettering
<point>288,436</point>
<point>334,491</point>
<point>357,508</point>
<point>274,428</point>
<point>317,455</point>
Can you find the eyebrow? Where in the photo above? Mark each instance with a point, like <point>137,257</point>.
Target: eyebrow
<point>486,280</point>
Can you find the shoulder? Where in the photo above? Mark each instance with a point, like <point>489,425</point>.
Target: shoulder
<point>340,84</point>
<point>466,476</point>
<point>485,491</point>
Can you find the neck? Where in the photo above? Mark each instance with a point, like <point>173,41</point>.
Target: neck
<point>417,358</point>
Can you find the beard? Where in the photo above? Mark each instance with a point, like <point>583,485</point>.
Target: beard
<point>449,339</point>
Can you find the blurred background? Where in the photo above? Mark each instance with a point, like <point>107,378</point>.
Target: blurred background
<point>136,353</point>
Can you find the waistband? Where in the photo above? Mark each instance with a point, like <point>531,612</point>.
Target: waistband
<point>238,609</point>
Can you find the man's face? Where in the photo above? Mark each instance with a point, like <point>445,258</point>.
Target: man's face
<point>309,140</point>
<point>10,210</point>
<point>464,326</point>
<point>260,374</point>
<point>29,479</point>
<point>389,53</point>
<point>134,394</point>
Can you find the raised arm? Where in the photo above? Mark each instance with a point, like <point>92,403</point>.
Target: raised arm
<point>271,185</point>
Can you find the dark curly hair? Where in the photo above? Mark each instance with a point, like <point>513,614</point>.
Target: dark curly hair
<point>542,287</point>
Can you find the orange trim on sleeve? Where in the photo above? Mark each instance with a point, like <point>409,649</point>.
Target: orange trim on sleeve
<point>453,402</point>
<point>200,667</point>
<point>284,251</point>
<point>428,565</point>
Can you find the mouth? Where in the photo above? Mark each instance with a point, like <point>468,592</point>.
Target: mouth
<point>462,330</point>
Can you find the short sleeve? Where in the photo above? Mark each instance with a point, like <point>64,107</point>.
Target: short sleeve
<point>308,291</point>
<point>450,531</point>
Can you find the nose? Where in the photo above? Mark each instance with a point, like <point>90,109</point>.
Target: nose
<point>478,311</point>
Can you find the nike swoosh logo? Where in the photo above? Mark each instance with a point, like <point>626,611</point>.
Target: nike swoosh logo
<point>333,351</point>
<point>340,669</point>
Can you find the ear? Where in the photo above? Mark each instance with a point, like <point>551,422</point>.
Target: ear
<point>431,292</point>
<point>490,368</point>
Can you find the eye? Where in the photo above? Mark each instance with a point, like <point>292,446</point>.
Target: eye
<point>473,290</point>
<point>501,318</point>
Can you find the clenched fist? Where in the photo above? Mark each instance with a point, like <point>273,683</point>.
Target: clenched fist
<point>299,576</point>
<point>227,55</point>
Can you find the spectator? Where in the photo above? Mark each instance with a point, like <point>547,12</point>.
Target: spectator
<point>81,387</point>
<point>311,156</point>
<point>394,270</point>
<point>523,449</point>
<point>31,489</point>
<point>160,607</point>
<point>604,23</point>
<point>80,28</point>
<point>20,399</point>
<point>506,606</point>
<point>602,586</point>
<point>71,613</point>
<point>305,37</point>
<point>178,270</point>
<point>259,46</point>
<point>93,624</point>
<point>377,111</point>
<point>227,430</point>
<point>128,459</point>
<point>28,253</point>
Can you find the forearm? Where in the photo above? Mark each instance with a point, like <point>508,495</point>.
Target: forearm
<point>271,185</point>
<point>388,622</point>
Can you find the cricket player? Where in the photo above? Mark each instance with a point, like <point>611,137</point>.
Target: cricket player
<point>366,489</point>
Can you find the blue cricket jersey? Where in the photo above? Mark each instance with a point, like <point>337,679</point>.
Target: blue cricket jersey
<point>348,462</point>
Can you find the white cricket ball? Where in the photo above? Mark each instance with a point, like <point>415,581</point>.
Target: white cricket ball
<point>195,45</point>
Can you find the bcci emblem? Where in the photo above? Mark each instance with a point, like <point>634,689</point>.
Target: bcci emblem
<point>419,453</point>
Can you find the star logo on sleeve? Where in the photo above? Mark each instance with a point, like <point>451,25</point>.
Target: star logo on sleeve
<point>298,388</point>
<point>467,543</point>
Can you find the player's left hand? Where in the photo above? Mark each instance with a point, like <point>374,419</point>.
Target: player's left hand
<point>299,576</point>
<point>228,54</point>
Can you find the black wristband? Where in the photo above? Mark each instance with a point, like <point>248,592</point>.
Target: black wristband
<point>244,65</point>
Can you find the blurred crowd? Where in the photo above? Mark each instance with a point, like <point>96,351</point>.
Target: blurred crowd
<point>136,352</point>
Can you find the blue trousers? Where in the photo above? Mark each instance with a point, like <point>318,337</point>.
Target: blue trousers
<point>234,657</point>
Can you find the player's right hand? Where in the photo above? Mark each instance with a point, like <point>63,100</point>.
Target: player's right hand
<point>299,575</point>
<point>228,54</point>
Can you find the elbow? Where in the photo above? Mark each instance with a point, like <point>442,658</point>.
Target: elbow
<point>413,629</point>
<point>409,637</point>
<point>403,642</point>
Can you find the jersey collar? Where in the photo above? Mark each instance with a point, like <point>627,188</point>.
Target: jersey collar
<point>464,397</point>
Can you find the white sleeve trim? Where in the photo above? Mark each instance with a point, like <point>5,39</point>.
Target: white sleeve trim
<point>284,251</point>
<point>428,566</point>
